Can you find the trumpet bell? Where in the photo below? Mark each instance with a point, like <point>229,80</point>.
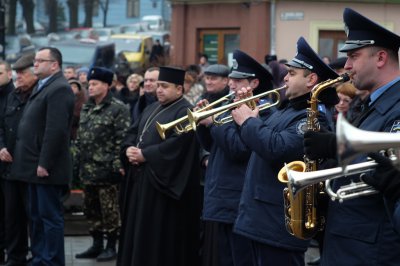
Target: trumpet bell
<point>352,141</point>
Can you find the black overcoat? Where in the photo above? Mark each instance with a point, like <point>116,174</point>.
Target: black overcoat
<point>44,132</point>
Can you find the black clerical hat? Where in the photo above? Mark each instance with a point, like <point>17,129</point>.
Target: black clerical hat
<point>172,75</point>
<point>306,58</point>
<point>361,32</point>
<point>102,74</point>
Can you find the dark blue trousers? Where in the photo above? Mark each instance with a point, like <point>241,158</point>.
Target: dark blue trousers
<point>233,249</point>
<point>265,255</point>
<point>47,224</point>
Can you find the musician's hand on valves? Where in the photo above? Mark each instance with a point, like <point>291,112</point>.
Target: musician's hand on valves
<point>206,121</point>
<point>386,177</point>
<point>242,113</point>
<point>243,93</point>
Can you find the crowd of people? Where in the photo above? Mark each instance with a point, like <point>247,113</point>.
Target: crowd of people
<point>205,191</point>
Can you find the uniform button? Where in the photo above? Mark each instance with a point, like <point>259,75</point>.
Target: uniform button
<point>18,108</point>
<point>11,130</point>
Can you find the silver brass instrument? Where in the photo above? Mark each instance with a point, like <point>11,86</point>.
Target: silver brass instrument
<point>303,219</point>
<point>182,125</point>
<point>352,142</point>
<point>195,117</point>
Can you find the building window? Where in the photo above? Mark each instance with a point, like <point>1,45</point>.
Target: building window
<point>132,8</point>
<point>219,45</point>
<point>330,42</point>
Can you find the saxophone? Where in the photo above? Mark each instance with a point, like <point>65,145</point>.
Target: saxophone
<point>302,217</point>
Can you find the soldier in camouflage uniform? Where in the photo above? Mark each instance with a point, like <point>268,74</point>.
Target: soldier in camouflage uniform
<point>103,125</point>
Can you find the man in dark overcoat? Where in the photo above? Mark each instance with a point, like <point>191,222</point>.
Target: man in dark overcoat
<point>16,220</point>
<point>42,156</point>
<point>6,86</point>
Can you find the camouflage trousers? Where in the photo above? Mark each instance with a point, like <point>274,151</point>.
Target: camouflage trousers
<point>101,208</point>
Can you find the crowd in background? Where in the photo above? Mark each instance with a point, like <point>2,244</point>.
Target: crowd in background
<point>208,193</point>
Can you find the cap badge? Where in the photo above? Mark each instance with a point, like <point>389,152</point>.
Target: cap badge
<point>234,64</point>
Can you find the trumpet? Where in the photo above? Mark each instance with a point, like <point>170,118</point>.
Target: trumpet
<point>195,117</point>
<point>181,125</point>
<point>351,142</point>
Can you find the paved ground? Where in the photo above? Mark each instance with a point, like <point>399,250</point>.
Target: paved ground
<point>76,244</point>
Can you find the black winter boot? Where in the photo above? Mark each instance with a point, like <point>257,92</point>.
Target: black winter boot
<point>93,251</point>
<point>110,252</point>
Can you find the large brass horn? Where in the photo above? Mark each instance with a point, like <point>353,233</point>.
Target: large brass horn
<point>352,141</point>
<point>195,117</point>
<point>297,181</point>
<point>181,125</point>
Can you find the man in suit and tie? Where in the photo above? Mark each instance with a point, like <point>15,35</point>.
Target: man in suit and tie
<point>42,157</point>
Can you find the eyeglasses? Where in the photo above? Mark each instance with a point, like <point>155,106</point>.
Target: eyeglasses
<point>42,60</point>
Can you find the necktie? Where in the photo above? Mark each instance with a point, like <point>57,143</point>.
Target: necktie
<point>365,107</point>
<point>40,85</point>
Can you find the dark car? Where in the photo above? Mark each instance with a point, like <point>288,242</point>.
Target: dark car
<point>86,52</point>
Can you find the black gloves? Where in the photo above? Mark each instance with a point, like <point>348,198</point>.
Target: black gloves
<point>386,178</point>
<point>320,145</point>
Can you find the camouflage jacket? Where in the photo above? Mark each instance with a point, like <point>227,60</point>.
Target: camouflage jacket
<point>101,130</point>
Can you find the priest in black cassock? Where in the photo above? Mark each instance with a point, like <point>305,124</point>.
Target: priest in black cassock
<point>160,196</point>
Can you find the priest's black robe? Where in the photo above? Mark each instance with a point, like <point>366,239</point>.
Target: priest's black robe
<point>160,198</point>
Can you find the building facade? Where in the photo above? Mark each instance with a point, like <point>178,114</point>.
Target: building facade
<point>260,27</point>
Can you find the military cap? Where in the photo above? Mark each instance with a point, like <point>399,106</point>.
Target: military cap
<point>361,32</point>
<point>172,75</point>
<point>102,74</point>
<point>338,63</point>
<point>217,70</point>
<point>244,66</point>
<point>306,58</point>
<point>24,62</point>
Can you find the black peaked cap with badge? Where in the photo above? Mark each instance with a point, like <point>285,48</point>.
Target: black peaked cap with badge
<point>244,67</point>
<point>100,73</point>
<point>172,75</point>
<point>362,32</point>
<point>306,58</point>
<point>24,62</point>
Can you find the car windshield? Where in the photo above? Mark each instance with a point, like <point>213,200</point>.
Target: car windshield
<point>131,45</point>
<point>77,55</point>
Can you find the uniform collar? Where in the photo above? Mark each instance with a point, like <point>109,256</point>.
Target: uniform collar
<point>298,103</point>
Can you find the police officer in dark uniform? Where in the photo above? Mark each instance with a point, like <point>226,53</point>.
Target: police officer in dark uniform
<point>227,165</point>
<point>359,231</point>
<point>274,141</point>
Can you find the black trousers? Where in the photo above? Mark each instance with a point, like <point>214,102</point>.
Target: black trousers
<point>16,220</point>
<point>2,219</point>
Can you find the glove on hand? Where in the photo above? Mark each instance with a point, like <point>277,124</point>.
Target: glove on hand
<point>386,178</point>
<point>320,145</point>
